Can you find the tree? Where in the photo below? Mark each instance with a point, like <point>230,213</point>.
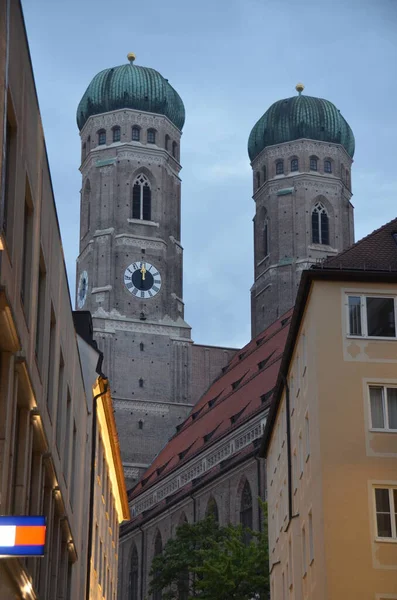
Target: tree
<point>214,563</point>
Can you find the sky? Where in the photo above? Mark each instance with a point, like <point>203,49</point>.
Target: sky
<point>229,60</point>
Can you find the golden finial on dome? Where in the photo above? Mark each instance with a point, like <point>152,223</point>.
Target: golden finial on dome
<point>131,57</point>
<point>299,88</point>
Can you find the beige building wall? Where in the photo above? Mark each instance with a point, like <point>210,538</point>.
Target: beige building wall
<point>43,409</point>
<point>329,548</point>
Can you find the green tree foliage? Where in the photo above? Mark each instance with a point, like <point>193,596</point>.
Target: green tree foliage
<point>210,562</point>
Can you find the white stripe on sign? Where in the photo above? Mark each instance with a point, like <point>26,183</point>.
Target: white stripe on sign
<point>7,535</point>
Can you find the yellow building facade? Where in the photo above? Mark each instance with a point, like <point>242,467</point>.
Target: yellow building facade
<point>331,437</point>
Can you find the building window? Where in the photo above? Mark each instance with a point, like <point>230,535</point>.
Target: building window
<point>383,407</point>
<point>167,142</point>
<point>294,164</point>
<point>116,134</point>
<point>136,134</point>
<point>266,238</point>
<point>101,137</point>
<point>386,512</point>
<point>10,172</point>
<point>141,198</point>
<point>279,167</point>
<point>313,163</point>
<point>212,509</point>
<point>320,225</point>
<point>258,180</point>
<point>246,507</point>
<point>27,240</point>
<point>151,136</point>
<point>264,173</point>
<point>141,382</point>
<point>133,576</point>
<point>174,149</point>
<point>140,424</point>
<point>371,316</point>
<point>327,166</point>
<point>141,346</point>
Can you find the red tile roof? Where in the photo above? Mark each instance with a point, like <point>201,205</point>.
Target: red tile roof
<point>242,389</point>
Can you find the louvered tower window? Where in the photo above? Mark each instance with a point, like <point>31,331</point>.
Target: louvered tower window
<point>141,198</point>
<point>320,225</point>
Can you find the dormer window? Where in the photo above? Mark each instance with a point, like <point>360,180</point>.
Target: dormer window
<point>313,163</point>
<point>294,164</point>
<point>327,166</point>
<point>101,137</point>
<point>279,167</point>
<point>136,133</point>
<point>151,136</point>
<point>116,134</point>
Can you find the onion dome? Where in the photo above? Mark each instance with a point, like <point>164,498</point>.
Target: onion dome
<point>131,86</point>
<point>300,117</point>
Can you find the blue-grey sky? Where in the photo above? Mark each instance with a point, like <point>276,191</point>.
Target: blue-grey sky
<point>229,60</point>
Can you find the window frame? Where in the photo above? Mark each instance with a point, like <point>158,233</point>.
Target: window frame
<point>327,161</point>
<point>393,513</point>
<point>364,317</point>
<point>138,130</point>
<point>151,132</point>
<point>102,132</point>
<point>385,407</point>
<point>318,210</point>
<point>313,163</point>
<point>116,131</point>
<point>279,163</point>
<point>294,165</point>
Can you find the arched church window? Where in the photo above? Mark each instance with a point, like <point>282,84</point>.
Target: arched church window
<point>133,575</point>
<point>320,225</point>
<point>141,198</point>
<point>86,208</point>
<point>327,166</point>
<point>246,506</point>
<point>266,237</point>
<point>294,164</point>
<point>264,173</point>
<point>101,137</point>
<point>136,133</point>
<point>212,509</point>
<point>279,167</point>
<point>167,142</point>
<point>83,152</point>
<point>141,346</point>
<point>258,180</point>
<point>174,149</point>
<point>151,136</point>
<point>116,134</point>
<point>313,163</point>
<point>158,548</point>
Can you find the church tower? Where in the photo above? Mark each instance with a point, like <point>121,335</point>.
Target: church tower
<point>129,270</point>
<point>301,153</point>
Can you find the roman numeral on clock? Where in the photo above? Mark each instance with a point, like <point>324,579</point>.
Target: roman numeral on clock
<point>155,288</point>
<point>142,294</point>
<point>135,291</point>
<point>135,266</point>
<point>158,281</point>
<point>129,284</point>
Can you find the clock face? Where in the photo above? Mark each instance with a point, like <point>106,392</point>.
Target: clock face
<point>82,289</point>
<point>142,280</point>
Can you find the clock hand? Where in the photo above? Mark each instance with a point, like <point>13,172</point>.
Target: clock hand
<point>143,271</point>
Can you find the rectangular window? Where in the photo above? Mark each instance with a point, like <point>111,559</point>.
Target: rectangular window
<point>371,316</point>
<point>383,404</point>
<point>304,555</point>
<point>386,512</point>
<point>51,365</point>
<point>67,437</point>
<point>74,466</point>
<point>10,169</point>
<point>307,436</point>
<point>61,388</point>
<point>27,241</point>
<point>40,311</point>
<point>311,544</point>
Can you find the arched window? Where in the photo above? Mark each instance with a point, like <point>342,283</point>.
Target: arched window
<point>265,237</point>
<point>116,134</point>
<point>174,149</point>
<point>83,152</point>
<point>320,225</point>
<point>151,136</point>
<point>141,198</point>
<point>258,180</point>
<point>88,143</point>
<point>348,179</point>
<point>279,167</point>
<point>212,509</point>
<point>264,173</point>
<point>313,163</point>
<point>167,142</point>
<point>141,346</point>
<point>136,133</point>
<point>158,548</point>
<point>133,575</point>
<point>246,506</point>
<point>294,164</point>
<point>86,208</point>
<point>101,137</point>
<point>327,166</point>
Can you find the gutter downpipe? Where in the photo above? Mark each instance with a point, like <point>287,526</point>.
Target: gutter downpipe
<point>289,463</point>
<point>92,484</point>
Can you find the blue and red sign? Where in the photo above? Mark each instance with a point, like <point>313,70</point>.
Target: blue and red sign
<point>22,536</point>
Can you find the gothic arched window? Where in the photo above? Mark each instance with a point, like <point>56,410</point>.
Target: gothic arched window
<point>133,575</point>
<point>327,166</point>
<point>320,225</point>
<point>279,167</point>
<point>266,237</point>
<point>141,198</point>
<point>83,152</point>
<point>174,149</point>
<point>158,548</point>
<point>88,143</point>
<point>101,137</point>
<point>246,506</point>
<point>151,136</point>
<point>264,173</point>
<point>294,164</point>
<point>313,163</point>
<point>258,180</point>
<point>86,208</point>
<point>116,134</point>
<point>136,133</point>
<point>212,509</point>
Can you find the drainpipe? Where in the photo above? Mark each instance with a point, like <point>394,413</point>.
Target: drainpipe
<point>92,485</point>
<point>289,461</point>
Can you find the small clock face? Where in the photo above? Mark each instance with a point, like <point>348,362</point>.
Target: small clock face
<point>82,289</point>
<point>142,280</point>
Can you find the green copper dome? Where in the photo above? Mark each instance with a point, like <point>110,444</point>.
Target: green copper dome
<point>300,117</point>
<point>131,86</point>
